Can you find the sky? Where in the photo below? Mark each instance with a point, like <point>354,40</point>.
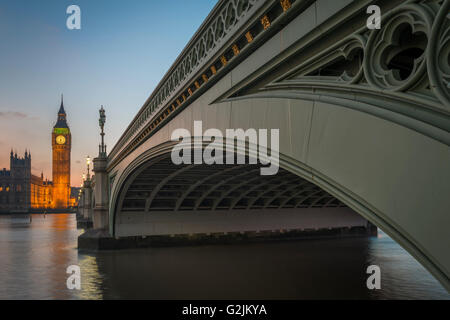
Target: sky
<point>116,59</point>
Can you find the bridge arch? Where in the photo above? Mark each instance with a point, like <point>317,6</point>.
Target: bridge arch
<point>241,184</point>
<point>295,186</point>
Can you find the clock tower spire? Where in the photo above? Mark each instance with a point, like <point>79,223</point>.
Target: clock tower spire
<point>61,147</point>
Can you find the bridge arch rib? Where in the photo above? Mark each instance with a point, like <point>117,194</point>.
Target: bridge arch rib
<point>159,185</point>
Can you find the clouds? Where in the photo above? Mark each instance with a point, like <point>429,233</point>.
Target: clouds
<point>12,114</point>
<point>15,115</point>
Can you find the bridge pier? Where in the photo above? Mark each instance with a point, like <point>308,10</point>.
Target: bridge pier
<point>99,240</point>
<point>97,221</point>
<point>80,207</point>
<point>87,189</point>
<point>94,238</point>
<point>226,227</point>
<point>84,217</point>
<point>100,217</point>
<point>237,221</point>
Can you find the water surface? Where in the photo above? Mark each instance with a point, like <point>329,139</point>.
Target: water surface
<point>34,256</point>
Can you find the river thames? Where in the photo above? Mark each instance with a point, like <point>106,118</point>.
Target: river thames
<point>34,256</point>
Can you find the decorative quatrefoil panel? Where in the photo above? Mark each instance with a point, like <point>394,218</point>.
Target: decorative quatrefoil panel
<point>439,57</point>
<point>395,54</point>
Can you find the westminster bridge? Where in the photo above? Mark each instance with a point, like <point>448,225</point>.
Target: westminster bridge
<point>363,117</point>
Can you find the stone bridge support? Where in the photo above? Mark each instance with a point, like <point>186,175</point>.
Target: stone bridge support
<point>100,217</point>
<point>87,196</point>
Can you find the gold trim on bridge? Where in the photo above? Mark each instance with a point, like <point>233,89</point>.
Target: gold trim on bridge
<point>285,4</point>
<point>265,22</point>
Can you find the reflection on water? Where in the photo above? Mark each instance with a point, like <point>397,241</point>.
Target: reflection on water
<point>402,276</point>
<point>35,255</point>
<point>33,252</point>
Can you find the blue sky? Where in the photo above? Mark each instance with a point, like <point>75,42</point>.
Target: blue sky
<point>117,58</point>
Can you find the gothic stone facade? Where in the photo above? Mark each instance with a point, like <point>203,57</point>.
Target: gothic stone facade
<point>21,191</point>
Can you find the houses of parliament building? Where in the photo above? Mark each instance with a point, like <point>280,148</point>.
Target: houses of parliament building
<point>21,191</point>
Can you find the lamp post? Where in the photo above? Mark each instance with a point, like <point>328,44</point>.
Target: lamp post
<point>87,191</point>
<point>100,212</point>
<point>88,162</point>
<point>101,122</point>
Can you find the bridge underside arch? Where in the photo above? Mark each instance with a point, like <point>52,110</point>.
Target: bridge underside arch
<point>163,186</point>
<point>161,198</point>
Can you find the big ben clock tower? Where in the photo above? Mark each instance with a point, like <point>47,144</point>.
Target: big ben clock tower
<point>61,146</point>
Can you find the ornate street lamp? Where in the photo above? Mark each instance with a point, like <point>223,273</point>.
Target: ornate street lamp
<point>101,122</point>
<point>88,162</point>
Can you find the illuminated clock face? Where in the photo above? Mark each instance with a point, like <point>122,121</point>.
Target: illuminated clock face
<point>60,140</point>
